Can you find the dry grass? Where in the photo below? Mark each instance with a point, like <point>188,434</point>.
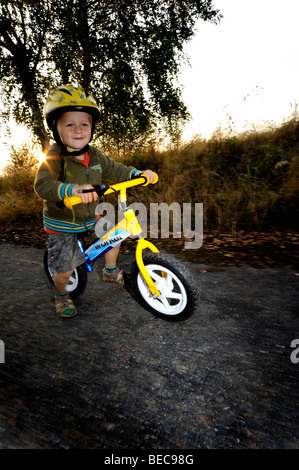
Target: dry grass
<point>245,182</point>
<point>18,202</point>
<point>250,181</point>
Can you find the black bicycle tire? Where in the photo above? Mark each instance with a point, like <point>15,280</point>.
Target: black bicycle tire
<point>82,277</point>
<point>185,277</point>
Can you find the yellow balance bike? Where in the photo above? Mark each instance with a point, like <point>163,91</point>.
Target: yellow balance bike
<point>162,284</point>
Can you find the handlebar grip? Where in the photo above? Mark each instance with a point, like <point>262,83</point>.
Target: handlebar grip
<point>156,178</point>
<point>69,202</point>
<point>147,181</point>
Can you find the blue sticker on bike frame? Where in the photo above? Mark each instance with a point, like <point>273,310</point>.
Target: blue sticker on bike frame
<point>95,250</point>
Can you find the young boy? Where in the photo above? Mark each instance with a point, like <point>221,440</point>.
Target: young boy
<point>72,165</point>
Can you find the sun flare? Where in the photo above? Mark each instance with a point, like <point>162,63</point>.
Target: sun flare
<point>41,156</point>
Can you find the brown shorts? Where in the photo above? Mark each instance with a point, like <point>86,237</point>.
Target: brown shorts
<point>63,252</point>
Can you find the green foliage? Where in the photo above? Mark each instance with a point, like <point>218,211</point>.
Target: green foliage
<point>23,61</point>
<point>126,53</point>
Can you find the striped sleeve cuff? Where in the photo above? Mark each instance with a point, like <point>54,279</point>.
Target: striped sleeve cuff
<point>135,173</point>
<point>65,190</point>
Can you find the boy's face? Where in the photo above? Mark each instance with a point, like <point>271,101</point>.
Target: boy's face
<point>74,129</point>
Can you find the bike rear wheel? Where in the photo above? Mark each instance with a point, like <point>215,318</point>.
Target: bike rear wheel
<point>179,293</point>
<point>77,281</point>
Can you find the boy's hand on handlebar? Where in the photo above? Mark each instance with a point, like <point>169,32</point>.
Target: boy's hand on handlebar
<point>150,175</point>
<point>86,197</point>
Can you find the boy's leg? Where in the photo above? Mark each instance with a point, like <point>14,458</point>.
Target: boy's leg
<point>111,256</point>
<point>63,303</point>
<point>61,280</point>
<point>63,256</point>
<point>111,272</point>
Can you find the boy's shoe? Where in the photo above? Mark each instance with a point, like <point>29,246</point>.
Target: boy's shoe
<point>114,276</point>
<point>64,306</point>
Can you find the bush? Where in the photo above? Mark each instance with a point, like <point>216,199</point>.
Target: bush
<point>247,182</point>
<point>18,201</point>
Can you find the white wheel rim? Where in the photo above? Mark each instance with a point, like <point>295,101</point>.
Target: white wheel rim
<point>173,297</point>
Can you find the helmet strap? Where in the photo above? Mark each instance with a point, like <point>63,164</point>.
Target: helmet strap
<point>76,153</point>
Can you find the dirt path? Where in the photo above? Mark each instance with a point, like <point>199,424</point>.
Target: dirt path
<point>115,377</point>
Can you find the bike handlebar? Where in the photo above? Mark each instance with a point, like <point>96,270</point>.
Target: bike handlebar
<point>104,189</point>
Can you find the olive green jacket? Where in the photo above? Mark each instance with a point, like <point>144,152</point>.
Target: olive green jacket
<point>49,187</point>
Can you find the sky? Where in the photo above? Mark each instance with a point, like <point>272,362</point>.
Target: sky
<point>246,67</point>
<point>243,72</point>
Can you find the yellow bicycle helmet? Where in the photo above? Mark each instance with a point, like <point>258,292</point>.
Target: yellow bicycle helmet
<point>69,98</point>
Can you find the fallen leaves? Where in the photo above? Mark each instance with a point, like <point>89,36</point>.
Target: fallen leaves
<point>259,249</point>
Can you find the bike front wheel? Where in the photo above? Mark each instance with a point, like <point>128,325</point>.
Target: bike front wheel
<point>77,281</point>
<point>179,293</point>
